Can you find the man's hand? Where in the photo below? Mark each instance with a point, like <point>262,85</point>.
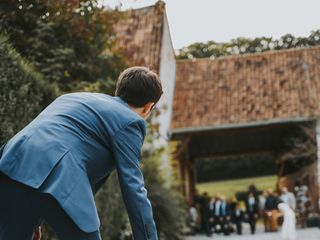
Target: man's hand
<point>37,234</point>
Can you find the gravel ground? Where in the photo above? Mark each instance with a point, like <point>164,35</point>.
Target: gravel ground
<point>303,234</point>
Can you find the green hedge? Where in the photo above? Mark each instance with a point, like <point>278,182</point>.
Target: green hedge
<point>23,92</point>
<point>235,167</point>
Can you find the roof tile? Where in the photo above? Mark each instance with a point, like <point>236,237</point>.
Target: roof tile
<point>139,33</point>
<point>249,88</point>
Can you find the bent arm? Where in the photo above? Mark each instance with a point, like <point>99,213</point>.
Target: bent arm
<point>127,145</point>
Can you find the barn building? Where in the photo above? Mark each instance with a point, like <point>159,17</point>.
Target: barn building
<point>248,104</point>
<point>236,105</point>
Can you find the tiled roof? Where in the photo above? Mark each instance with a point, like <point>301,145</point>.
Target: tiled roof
<point>139,33</point>
<point>246,89</point>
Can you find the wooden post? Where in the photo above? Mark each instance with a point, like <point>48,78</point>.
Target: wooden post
<point>187,178</point>
<point>187,181</point>
<point>182,166</point>
<point>192,180</point>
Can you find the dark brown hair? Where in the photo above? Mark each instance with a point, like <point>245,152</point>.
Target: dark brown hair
<point>138,86</point>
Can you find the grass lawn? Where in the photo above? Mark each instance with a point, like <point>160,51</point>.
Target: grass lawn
<point>230,187</point>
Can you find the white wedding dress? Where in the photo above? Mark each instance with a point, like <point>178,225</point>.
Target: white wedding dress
<point>288,231</point>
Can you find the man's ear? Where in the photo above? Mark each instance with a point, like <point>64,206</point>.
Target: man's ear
<point>147,108</point>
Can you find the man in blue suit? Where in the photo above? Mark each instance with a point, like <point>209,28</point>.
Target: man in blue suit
<point>52,168</point>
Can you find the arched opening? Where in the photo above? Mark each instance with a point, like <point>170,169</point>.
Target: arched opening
<point>291,145</point>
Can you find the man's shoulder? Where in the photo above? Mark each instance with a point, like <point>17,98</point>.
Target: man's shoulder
<point>102,103</point>
<point>113,110</point>
<point>89,95</point>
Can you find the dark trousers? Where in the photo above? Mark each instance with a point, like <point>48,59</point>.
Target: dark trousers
<point>238,224</point>
<point>222,224</point>
<point>252,221</point>
<point>205,224</point>
<point>22,209</point>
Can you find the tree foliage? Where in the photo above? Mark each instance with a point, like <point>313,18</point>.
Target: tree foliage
<point>168,204</point>
<point>23,93</point>
<point>235,167</point>
<point>112,212</point>
<point>69,42</point>
<point>298,150</point>
<point>238,46</point>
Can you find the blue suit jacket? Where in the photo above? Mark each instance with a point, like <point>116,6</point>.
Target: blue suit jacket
<point>71,147</point>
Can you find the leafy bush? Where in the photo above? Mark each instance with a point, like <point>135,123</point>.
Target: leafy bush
<point>233,167</point>
<point>23,93</point>
<point>112,213</point>
<point>168,204</point>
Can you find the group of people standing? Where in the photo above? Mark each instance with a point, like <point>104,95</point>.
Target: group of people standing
<point>218,215</point>
<point>298,201</point>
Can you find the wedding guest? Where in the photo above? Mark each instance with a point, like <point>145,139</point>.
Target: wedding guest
<point>222,214</point>
<point>288,198</point>
<point>212,219</point>
<point>288,230</point>
<point>238,217</point>
<point>252,211</point>
<point>303,203</point>
<point>205,214</point>
<point>270,212</point>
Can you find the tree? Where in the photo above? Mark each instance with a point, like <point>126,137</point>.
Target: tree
<point>70,42</point>
<point>168,204</point>
<point>297,159</point>
<point>238,46</point>
<point>299,148</point>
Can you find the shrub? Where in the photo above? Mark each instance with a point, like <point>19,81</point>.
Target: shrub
<point>23,93</point>
<point>112,213</point>
<point>168,204</point>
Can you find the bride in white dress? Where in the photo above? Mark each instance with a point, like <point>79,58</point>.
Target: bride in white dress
<point>288,231</point>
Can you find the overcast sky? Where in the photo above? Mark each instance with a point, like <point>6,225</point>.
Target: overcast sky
<point>221,20</point>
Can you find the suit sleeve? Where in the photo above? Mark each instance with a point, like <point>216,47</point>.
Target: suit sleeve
<point>1,150</point>
<point>127,145</point>
<point>99,184</point>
